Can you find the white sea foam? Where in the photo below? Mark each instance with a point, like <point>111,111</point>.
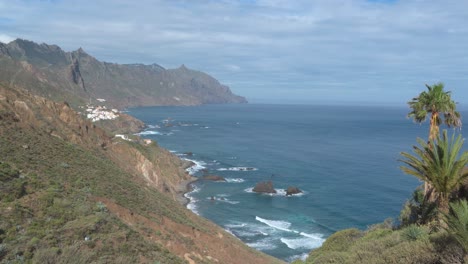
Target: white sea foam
<point>230,232</point>
<point>234,180</point>
<point>238,169</point>
<point>222,199</point>
<point>148,132</point>
<point>277,224</point>
<point>314,236</point>
<point>248,233</point>
<point>199,165</point>
<point>153,126</point>
<point>305,242</point>
<point>279,192</point>
<point>193,207</point>
<point>264,244</point>
<point>236,225</point>
<point>302,257</point>
<point>192,201</point>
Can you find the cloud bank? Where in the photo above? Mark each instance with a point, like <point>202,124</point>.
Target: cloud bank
<point>323,51</point>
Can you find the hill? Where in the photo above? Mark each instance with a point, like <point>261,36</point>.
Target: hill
<point>73,193</point>
<point>79,78</point>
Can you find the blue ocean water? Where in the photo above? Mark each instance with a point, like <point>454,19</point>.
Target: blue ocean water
<point>344,158</point>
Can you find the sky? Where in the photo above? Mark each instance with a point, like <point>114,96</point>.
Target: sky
<point>378,52</point>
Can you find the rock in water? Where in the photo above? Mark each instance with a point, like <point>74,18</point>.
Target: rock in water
<point>264,187</point>
<point>213,178</point>
<point>292,190</point>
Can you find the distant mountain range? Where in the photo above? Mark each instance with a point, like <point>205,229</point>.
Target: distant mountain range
<point>79,78</point>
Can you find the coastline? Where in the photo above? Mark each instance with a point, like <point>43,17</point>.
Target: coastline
<point>183,188</point>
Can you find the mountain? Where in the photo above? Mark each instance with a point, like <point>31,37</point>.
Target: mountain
<point>78,78</point>
<point>70,192</point>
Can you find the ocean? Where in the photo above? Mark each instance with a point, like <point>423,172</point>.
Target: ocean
<point>344,158</point>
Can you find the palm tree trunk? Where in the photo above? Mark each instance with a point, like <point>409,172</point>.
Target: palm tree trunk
<point>434,126</point>
<point>429,195</point>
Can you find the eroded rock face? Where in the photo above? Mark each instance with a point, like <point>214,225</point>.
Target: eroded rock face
<point>292,190</point>
<point>264,187</point>
<point>78,76</point>
<point>213,178</point>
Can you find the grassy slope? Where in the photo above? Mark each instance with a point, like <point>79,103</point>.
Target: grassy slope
<point>383,244</point>
<point>64,192</point>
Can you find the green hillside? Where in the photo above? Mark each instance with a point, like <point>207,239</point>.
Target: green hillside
<point>71,193</point>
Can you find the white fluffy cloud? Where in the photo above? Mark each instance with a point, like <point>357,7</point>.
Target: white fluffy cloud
<point>308,51</point>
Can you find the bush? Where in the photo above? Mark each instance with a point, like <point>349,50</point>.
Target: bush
<point>414,232</point>
<point>417,210</point>
<point>7,172</point>
<point>3,250</point>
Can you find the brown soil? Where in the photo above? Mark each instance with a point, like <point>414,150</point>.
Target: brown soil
<point>193,245</point>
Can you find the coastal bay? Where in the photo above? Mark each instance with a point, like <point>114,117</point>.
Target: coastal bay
<point>344,158</point>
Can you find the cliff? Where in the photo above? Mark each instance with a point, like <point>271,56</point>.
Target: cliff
<point>70,190</point>
<point>78,78</point>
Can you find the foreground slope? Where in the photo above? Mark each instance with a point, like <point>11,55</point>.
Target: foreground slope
<point>66,195</point>
<point>77,77</point>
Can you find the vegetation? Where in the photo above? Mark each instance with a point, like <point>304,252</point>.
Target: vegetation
<point>440,164</point>
<point>418,238</point>
<point>457,222</point>
<point>418,210</point>
<point>63,199</point>
<point>435,102</point>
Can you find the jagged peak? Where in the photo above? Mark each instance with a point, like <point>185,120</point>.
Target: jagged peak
<point>24,43</point>
<point>81,51</point>
<point>157,66</point>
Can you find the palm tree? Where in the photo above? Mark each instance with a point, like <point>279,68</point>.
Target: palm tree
<point>438,163</point>
<point>436,102</point>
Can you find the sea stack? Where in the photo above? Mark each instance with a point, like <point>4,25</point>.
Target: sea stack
<point>264,187</point>
<point>214,178</point>
<point>292,190</point>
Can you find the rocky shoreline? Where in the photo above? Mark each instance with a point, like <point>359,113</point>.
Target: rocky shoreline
<point>183,188</point>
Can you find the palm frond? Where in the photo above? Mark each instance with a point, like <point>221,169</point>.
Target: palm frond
<point>457,222</point>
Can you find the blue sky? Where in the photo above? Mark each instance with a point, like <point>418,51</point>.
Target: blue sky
<point>304,51</point>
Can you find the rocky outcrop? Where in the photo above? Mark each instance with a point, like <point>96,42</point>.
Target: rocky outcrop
<point>264,187</point>
<point>157,167</point>
<point>213,178</point>
<point>291,190</point>
<point>76,74</point>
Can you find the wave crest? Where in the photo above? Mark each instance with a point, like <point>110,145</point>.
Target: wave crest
<point>277,224</point>
<point>238,169</point>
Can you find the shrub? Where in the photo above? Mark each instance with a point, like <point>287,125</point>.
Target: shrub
<point>7,172</point>
<point>3,250</point>
<point>417,210</point>
<point>414,232</point>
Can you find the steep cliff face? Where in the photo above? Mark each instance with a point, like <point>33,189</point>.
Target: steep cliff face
<point>77,76</point>
<point>74,192</point>
<point>156,166</point>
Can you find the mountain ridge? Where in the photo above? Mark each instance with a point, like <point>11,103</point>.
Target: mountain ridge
<point>83,78</point>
